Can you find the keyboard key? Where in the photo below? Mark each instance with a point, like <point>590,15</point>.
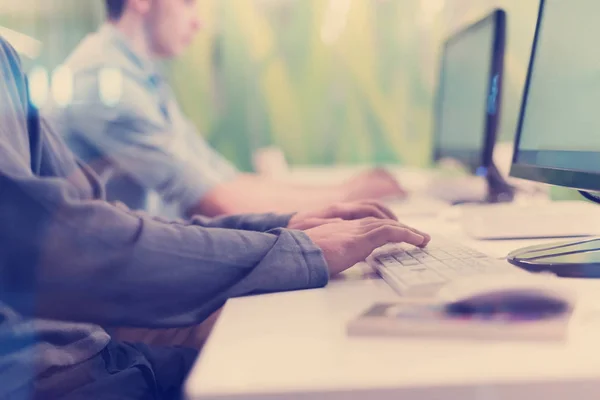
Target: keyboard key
<point>454,263</point>
<point>477,254</point>
<point>460,254</point>
<point>409,262</point>
<point>440,255</point>
<point>423,257</point>
<point>415,252</point>
<point>401,256</point>
<point>472,262</point>
<point>439,267</point>
<point>387,261</point>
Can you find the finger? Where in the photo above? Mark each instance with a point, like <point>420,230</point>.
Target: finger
<point>369,224</point>
<point>314,222</point>
<point>361,211</point>
<point>386,174</point>
<point>326,221</point>
<point>401,189</point>
<point>393,234</point>
<point>355,211</point>
<point>385,210</point>
<point>417,231</point>
<point>427,241</point>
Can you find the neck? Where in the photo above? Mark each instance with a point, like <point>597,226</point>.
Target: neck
<point>134,31</point>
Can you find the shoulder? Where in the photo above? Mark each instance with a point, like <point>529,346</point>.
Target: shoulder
<point>103,71</point>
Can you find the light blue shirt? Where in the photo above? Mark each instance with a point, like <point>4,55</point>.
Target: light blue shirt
<point>124,121</point>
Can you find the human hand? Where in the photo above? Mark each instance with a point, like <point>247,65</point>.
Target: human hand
<point>346,243</point>
<point>373,184</point>
<point>339,212</point>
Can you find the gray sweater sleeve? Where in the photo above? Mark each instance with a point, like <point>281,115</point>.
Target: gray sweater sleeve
<point>247,222</point>
<point>96,263</point>
<point>250,222</point>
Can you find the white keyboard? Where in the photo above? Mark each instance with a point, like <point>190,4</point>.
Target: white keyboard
<point>413,271</point>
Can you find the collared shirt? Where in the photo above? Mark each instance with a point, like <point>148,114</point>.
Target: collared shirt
<point>123,121</point>
<point>68,255</point>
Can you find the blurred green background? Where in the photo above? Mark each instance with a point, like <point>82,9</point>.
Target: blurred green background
<point>328,81</point>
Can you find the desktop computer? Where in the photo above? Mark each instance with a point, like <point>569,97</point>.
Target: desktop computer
<point>556,140</point>
<point>467,111</point>
<point>468,104</point>
<point>556,143</point>
<point>558,135</point>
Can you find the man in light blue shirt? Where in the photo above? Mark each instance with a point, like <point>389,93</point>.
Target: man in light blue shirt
<point>124,121</point>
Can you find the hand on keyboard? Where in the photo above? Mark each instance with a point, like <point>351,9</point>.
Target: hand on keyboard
<point>346,243</point>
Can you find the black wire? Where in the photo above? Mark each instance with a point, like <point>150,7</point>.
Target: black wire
<point>591,197</point>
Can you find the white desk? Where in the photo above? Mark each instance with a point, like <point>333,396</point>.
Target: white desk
<point>294,346</point>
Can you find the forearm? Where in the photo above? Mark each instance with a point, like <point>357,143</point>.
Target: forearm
<point>246,222</point>
<point>254,194</point>
<point>95,263</point>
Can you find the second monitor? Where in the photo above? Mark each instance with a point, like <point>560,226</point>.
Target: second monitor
<point>469,98</point>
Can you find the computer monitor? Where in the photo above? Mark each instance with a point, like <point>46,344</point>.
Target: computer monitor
<point>558,134</point>
<point>469,98</point>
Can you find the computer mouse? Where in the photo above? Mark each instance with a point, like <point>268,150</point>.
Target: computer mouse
<point>523,296</point>
<point>516,302</point>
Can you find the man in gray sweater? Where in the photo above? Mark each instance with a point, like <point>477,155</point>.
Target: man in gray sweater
<point>67,255</point>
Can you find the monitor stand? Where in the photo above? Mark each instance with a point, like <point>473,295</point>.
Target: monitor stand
<point>498,190</point>
<point>572,259</point>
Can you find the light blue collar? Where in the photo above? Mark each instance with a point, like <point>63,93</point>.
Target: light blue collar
<point>147,65</point>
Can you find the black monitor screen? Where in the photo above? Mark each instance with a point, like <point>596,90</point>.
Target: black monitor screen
<point>559,130</point>
<point>466,77</point>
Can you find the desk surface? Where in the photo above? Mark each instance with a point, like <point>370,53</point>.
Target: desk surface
<point>294,345</point>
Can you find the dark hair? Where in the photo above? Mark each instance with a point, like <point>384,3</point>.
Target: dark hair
<point>115,8</point>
